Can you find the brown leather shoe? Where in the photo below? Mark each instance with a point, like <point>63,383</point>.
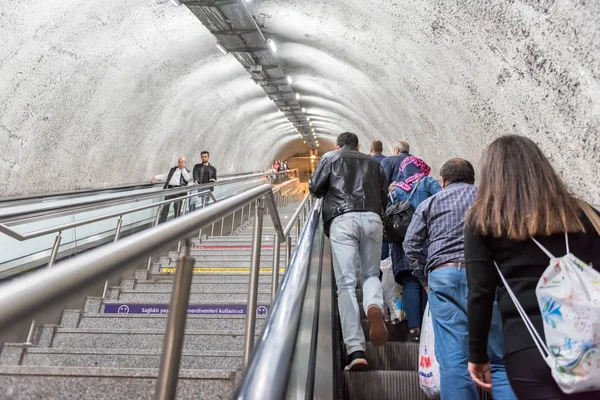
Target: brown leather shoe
<point>378,333</point>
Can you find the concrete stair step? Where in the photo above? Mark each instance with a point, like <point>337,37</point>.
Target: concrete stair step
<point>225,307</point>
<point>382,385</point>
<point>80,319</point>
<point>195,340</point>
<point>214,287</point>
<point>218,268</point>
<point>115,358</point>
<point>243,278</point>
<point>212,259</point>
<point>75,383</point>
<point>195,297</point>
<point>266,239</point>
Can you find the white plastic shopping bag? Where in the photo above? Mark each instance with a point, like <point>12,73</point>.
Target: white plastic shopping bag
<point>391,300</point>
<point>429,369</point>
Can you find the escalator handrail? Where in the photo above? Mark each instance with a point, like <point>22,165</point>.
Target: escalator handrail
<point>268,372</point>
<point>46,231</point>
<point>23,297</point>
<point>90,205</point>
<point>119,188</point>
<point>197,193</point>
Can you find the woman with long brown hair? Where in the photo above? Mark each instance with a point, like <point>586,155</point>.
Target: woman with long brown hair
<point>520,197</point>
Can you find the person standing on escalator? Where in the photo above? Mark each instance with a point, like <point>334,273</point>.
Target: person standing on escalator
<point>176,177</point>
<point>203,173</point>
<point>435,248</point>
<point>352,186</point>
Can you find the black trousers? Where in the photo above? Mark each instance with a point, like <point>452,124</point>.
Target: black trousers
<point>176,207</point>
<point>531,379</point>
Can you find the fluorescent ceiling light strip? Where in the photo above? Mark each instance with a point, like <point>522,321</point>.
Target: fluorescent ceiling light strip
<point>224,51</point>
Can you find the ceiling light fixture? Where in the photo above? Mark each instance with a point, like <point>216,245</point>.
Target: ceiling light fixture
<point>297,96</point>
<point>303,109</point>
<point>224,50</point>
<point>272,45</point>
<point>288,79</point>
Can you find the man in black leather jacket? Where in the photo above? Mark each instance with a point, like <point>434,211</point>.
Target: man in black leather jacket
<point>352,186</point>
<point>203,173</point>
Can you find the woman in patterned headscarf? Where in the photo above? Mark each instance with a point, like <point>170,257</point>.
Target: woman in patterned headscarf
<point>414,176</point>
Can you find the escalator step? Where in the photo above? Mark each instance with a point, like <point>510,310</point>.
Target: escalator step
<point>394,356</point>
<point>401,385</point>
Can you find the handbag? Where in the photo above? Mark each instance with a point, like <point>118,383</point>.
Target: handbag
<point>568,295</point>
<point>397,217</point>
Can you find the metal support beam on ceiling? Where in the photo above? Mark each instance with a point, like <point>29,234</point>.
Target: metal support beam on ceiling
<point>237,32</point>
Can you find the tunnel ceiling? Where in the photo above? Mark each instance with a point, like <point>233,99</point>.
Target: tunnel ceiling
<point>96,93</point>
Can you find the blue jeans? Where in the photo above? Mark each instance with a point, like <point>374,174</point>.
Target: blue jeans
<point>448,305</point>
<point>356,242</point>
<point>385,250</point>
<point>414,298</point>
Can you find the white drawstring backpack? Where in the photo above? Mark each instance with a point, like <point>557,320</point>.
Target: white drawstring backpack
<point>568,294</point>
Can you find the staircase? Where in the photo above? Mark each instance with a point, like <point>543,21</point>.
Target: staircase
<point>111,348</point>
<point>392,370</point>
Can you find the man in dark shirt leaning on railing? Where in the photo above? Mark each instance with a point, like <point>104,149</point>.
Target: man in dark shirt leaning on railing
<point>434,246</point>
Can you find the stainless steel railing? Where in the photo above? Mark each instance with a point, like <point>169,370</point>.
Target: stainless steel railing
<point>51,210</point>
<point>23,297</point>
<point>268,373</point>
<point>189,192</point>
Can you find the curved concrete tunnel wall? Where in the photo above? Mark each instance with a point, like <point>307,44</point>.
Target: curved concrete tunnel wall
<point>96,93</point>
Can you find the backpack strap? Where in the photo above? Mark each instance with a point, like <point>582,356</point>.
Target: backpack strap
<point>545,250</point>
<point>539,343</point>
<point>415,189</point>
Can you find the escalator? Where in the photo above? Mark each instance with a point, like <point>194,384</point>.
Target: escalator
<point>301,355</point>
<point>302,339</point>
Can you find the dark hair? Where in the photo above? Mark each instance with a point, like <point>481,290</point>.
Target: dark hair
<point>205,152</point>
<point>377,146</point>
<point>348,139</point>
<point>520,193</point>
<point>458,170</point>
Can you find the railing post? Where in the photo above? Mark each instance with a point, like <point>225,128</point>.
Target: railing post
<point>54,251</point>
<point>53,254</point>
<point>155,224</point>
<point>160,208</point>
<point>253,285</point>
<point>31,332</point>
<point>166,384</point>
<point>242,217</point>
<point>232,222</point>
<point>288,251</point>
<point>222,224</point>
<point>298,229</point>
<point>275,272</point>
<point>117,234</point>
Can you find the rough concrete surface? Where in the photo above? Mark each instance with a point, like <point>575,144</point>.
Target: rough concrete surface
<point>96,93</point>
